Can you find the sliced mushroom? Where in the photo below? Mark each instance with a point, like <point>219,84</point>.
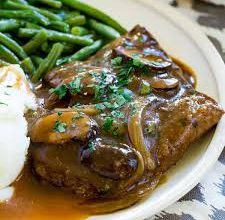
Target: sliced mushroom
<point>86,109</point>
<point>56,76</point>
<point>111,161</point>
<point>153,58</point>
<point>169,83</point>
<point>58,128</point>
<point>83,84</point>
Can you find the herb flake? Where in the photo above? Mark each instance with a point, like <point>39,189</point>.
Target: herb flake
<point>60,127</point>
<point>117,61</point>
<point>60,91</point>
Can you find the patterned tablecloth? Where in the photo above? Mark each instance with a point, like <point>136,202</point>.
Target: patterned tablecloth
<point>207,200</point>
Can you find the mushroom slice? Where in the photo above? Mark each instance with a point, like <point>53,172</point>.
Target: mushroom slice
<point>61,127</point>
<point>86,109</point>
<point>169,83</point>
<point>57,75</point>
<point>83,83</point>
<point>153,58</point>
<point>111,160</point>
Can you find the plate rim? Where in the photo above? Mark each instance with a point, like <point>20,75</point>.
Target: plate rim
<point>216,145</point>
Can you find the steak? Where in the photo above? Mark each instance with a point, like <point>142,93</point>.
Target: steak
<point>145,111</point>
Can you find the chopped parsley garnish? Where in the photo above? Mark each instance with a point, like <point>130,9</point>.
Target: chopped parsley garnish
<point>108,123</point>
<point>151,129</point>
<point>91,146</point>
<point>100,106</point>
<point>75,86</point>
<point>108,105</point>
<point>145,88</point>
<point>127,94</point>
<point>124,74</point>
<point>117,61</point>
<point>142,38</point>
<point>137,60</point>
<point>104,189</point>
<point>77,105</point>
<point>103,88</point>
<point>119,101</point>
<point>59,113</point>
<point>78,116</point>
<point>115,131</point>
<point>110,92</point>
<point>109,127</point>
<point>60,91</point>
<point>133,109</point>
<point>99,91</point>
<point>60,127</point>
<point>118,114</point>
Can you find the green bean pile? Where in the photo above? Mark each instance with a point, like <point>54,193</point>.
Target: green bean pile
<point>41,34</point>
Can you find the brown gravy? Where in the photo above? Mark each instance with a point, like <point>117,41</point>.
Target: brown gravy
<point>35,201</point>
<point>188,72</point>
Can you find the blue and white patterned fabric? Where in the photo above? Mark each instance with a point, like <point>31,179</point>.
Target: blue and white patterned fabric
<point>207,200</point>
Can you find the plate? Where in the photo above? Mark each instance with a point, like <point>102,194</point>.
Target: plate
<point>184,40</point>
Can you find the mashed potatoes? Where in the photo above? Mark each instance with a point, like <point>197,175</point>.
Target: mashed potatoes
<point>15,99</point>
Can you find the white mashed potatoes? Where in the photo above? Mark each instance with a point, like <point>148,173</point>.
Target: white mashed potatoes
<point>15,99</point>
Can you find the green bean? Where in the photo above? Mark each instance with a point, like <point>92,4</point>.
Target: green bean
<point>49,62</point>
<point>32,25</point>
<point>49,14</point>
<point>64,13</point>
<point>9,25</point>
<point>8,35</point>
<point>24,2</point>
<point>13,5</point>
<point>68,48</point>
<point>37,60</point>
<point>79,31</point>
<point>25,14</point>
<point>51,3</point>
<point>45,47</point>
<point>71,14</point>
<point>57,36</point>
<point>8,56</point>
<point>59,26</point>
<point>28,66</point>
<point>13,46</point>
<point>77,20</point>
<point>83,53</point>
<point>35,42</point>
<point>62,60</point>
<point>103,29</point>
<point>3,63</point>
<point>93,12</point>
<point>89,36</point>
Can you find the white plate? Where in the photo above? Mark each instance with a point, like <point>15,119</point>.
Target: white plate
<point>183,39</point>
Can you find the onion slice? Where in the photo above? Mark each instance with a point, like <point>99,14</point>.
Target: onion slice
<point>136,135</point>
<point>86,109</point>
<point>137,175</point>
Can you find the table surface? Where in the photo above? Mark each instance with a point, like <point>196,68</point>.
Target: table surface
<point>207,200</point>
